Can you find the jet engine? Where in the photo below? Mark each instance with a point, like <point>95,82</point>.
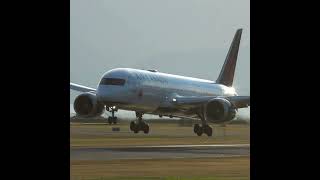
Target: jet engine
<point>87,105</point>
<point>219,110</point>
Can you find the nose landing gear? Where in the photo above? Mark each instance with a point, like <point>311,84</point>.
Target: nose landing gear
<point>112,119</point>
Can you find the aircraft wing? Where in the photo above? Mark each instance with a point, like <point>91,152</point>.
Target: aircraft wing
<point>78,87</point>
<point>238,101</point>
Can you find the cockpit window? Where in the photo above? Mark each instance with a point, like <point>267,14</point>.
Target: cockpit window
<point>112,81</point>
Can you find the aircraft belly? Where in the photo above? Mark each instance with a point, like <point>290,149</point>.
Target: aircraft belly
<point>147,103</point>
<point>138,107</point>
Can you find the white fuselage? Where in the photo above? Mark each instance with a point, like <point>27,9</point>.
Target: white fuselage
<point>146,91</point>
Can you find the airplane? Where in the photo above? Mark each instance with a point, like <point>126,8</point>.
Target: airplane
<point>154,92</point>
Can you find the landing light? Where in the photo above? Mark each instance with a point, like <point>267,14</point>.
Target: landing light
<point>174,99</point>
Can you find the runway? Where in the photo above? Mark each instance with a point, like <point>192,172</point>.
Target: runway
<point>160,152</point>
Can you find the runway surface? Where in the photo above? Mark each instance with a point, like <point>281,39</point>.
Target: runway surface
<point>160,152</point>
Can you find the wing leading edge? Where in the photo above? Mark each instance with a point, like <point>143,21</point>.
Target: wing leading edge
<point>81,88</point>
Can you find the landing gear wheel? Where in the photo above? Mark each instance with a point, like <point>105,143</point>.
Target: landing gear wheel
<point>114,120</point>
<point>196,128</point>
<point>136,127</point>
<point>132,125</point>
<point>110,120</point>
<point>145,128</point>
<point>200,131</point>
<point>140,125</point>
<point>136,130</point>
<point>207,130</point>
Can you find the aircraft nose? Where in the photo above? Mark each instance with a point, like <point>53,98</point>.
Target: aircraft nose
<point>106,93</point>
<point>101,93</point>
<point>111,93</point>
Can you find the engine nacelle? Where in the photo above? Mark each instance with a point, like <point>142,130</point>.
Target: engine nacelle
<point>219,110</point>
<point>87,105</point>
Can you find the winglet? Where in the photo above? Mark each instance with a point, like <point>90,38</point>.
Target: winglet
<point>227,72</point>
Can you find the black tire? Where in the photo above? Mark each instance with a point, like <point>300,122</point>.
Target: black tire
<point>208,130</point>
<point>135,127</point>
<point>136,130</point>
<point>132,125</point>
<point>196,128</point>
<point>114,120</point>
<point>200,131</point>
<point>145,128</point>
<point>110,120</point>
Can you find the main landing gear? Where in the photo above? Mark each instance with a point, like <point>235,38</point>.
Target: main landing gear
<point>112,119</point>
<point>140,125</point>
<point>205,128</point>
